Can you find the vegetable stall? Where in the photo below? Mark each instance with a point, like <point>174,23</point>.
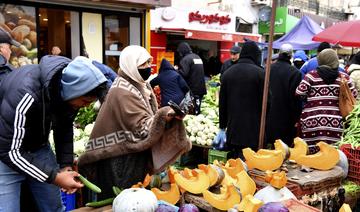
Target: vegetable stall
<point>289,176</point>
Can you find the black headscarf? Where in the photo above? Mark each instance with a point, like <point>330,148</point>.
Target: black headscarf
<point>251,51</point>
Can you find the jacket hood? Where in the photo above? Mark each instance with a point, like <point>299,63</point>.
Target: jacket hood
<point>50,65</point>
<point>184,49</point>
<point>165,66</point>
<point>251,51</point>
<point>300,55</point>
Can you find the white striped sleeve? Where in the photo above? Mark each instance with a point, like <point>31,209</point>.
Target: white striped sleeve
<point>19,132</point>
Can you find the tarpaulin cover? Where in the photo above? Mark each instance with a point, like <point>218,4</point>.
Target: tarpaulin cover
<point>300,37</point>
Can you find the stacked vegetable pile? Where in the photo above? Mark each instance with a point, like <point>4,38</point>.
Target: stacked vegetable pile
<point>81,136</point>
<point>201,130</point>
<point>209,105</point>
<point>351,134</point>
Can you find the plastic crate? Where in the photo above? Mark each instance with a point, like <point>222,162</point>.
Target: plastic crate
<point>69,201</point>
<point>353,156</point>
<point>217,155</point>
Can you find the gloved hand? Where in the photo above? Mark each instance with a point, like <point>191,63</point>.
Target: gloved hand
<point>219,140</point>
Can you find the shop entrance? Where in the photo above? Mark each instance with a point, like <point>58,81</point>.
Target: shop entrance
<point>207,50</point>
<point>58,28</point>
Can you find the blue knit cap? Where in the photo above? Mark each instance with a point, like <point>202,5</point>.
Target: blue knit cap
<point>80,77</point>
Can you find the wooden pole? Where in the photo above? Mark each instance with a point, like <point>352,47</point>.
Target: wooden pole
<point>267,76</point>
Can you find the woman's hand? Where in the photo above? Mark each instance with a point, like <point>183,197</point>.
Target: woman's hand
<point>171,114</point>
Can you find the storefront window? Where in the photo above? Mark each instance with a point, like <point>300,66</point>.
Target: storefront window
<point>117,36</point>
<point>57,31</point>
<point>20,22</point>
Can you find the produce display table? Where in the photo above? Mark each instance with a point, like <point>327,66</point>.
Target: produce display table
<point>107,208</point>
<point>302,183</point>
<point>199,202</point>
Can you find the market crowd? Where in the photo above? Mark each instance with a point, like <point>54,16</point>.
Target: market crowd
<point>135,134</point>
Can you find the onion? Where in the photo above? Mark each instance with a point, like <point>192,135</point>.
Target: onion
<point>273,207</point>
<point>188,208</point>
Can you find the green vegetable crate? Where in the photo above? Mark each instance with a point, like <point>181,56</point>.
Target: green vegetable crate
<point>353,155</point>
<point>217,155</point>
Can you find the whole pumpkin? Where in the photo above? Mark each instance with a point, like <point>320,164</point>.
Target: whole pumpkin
<point>135,200</point>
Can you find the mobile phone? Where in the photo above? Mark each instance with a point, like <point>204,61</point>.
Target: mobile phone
<point>176,108</point>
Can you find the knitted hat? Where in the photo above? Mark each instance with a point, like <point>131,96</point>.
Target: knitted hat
<point>251,51</point>
<point>80,77</point>
<point>328,57</point>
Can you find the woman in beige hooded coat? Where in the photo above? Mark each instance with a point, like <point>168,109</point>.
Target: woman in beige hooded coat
<point>131,137</point>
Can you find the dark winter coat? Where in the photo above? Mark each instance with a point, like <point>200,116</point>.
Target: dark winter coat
<point>172,85</point>
<point>5,68</point>
<point>286,107</point>
<point>240,103</point>
<point>226,65</point>
<point>191,69</point>
<point>30,104</point>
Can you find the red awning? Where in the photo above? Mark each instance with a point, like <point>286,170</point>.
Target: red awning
<point>214,36</point>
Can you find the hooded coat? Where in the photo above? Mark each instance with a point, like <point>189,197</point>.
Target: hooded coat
<point>172,85</point>
<point>131,137</point>
<point>240,101</point>
<point>32,94</point>
<point>285,109</point>
<point>191,69</point>
<point>5,68</point>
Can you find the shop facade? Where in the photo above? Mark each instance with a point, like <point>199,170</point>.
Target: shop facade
<point>99,29</point>
<point>210,32</point>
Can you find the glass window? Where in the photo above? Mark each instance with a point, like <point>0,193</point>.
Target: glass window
<point>116,31</point>
<point>56,32</point>
<point>20,22</point>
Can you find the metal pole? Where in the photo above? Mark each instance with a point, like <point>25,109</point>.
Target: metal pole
<point>267,76</point>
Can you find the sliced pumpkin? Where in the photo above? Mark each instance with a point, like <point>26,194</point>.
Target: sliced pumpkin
<point>187,173</point>
<point>215,173</point>
<point>263,162</point>
<point>345,208</point>
<point>245,184</point>
<point>300,148</point>
<point>223,201</point>
<point>276,179</point>
<point>170,172</point>
<point>195,185</point>
<point>171,196</point>
<point>250,204</point>
<point>280,145</point>
<point>234,166</point>
<point>325,159</point>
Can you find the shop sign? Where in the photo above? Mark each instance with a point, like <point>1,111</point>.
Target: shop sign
<point>280,22</point>
<point>209,19</point>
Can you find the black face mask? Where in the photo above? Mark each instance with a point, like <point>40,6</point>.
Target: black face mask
<point>145,72</point>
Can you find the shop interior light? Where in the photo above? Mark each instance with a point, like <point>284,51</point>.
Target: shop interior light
<point>8,12</point>
<point>45,19</point>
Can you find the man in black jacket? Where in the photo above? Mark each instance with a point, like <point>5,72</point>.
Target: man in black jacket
<point>192,70</point>
<point>240,103</point>
<point>234,58</point>
<point>5,52</point>
<point>285,109</point>
<point>33,100</point>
